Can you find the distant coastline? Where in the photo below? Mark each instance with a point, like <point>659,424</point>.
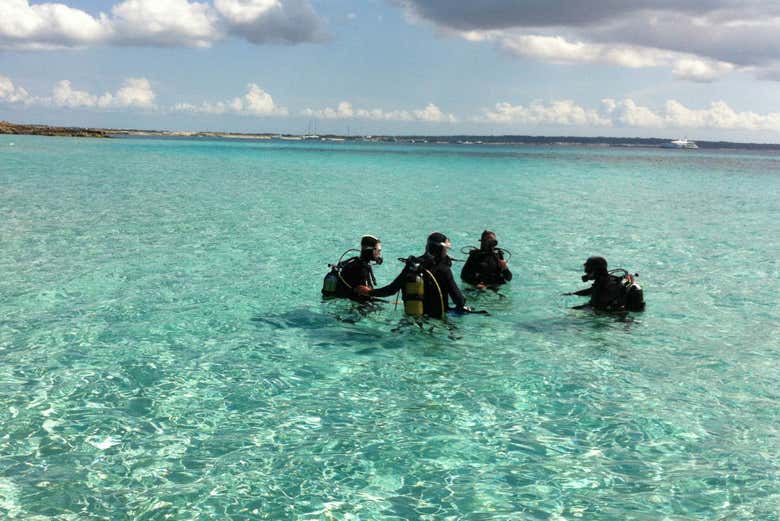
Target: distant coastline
<point>47,130</point>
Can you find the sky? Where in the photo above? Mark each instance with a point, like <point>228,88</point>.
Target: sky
<point>701,69</point>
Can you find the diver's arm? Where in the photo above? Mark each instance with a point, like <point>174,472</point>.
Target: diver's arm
<point>453,290</point>
<point>391,288</point>
<point>583,292</point>
<point>503,268</point>
<point>361,290</point>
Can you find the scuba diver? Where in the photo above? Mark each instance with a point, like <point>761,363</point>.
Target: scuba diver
<point>486,266</point>
<point>426,282</point>
<point>610,291</point>
<point>346,276</point>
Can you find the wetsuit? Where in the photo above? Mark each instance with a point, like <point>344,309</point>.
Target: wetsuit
<point>606,293</point>
<point>482,268</point>
<point>437,292</point>
<point>354,272</point>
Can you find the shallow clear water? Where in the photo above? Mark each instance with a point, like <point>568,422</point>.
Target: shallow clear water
<point>164,353</point>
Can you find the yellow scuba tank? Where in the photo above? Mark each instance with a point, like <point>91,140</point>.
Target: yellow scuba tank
<point>414,290</point>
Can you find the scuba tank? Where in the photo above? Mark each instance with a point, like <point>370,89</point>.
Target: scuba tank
<point>413,289</point>
<point>632,295</point>
<point>331,283</point>
<point>334,284</point>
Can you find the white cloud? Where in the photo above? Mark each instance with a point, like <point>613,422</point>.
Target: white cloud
<point>628,114</point>
<point>137,93</point>
<point>556,49</point>
<point>718,116</point>
<point>433,114</point>
<point>63,95</point>
<point>10,93</point>
<point>276,21</point>
<point>564,112</point>
<point>45,26</point>
<point>259,103</point>
<point>243,11</point>
<point>158,23</point>
<point>256,102</point>
<point>172,22</point>
<point>695,69</point>
<point>430,114</point>
<point>548,48</point>
<point>699,40</point>
<point>343,111</point>
<point>134,93</point>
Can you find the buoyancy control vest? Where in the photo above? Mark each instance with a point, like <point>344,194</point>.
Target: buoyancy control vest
<point>343,277</point>
<point>631,294</point>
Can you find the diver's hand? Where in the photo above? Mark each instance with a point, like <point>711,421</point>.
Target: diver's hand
<point>567,294</point>
<point>503,265</point>
<point>362,290</point>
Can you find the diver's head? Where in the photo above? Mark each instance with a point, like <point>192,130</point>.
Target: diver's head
<point>488,241</point>
<point>371,249</point>
<point>438,245</point>
<point>594,267</point>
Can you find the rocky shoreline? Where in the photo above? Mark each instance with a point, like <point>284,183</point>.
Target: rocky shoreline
<point>46,130</point>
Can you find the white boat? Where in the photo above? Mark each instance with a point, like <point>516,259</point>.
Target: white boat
<point>680,143</point>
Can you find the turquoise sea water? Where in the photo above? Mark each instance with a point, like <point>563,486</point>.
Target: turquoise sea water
<point>164,353</point>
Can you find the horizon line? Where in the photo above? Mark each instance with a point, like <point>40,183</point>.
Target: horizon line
<point>5,126</point>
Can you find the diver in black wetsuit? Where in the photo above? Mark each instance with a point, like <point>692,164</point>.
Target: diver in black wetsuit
<point>606,293</point>
<point>346,277</point>
<point>486,266</point>
<point>439,284</point>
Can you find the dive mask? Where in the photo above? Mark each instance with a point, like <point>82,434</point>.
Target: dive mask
<point>445,244</point>
<point>375,250</point>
